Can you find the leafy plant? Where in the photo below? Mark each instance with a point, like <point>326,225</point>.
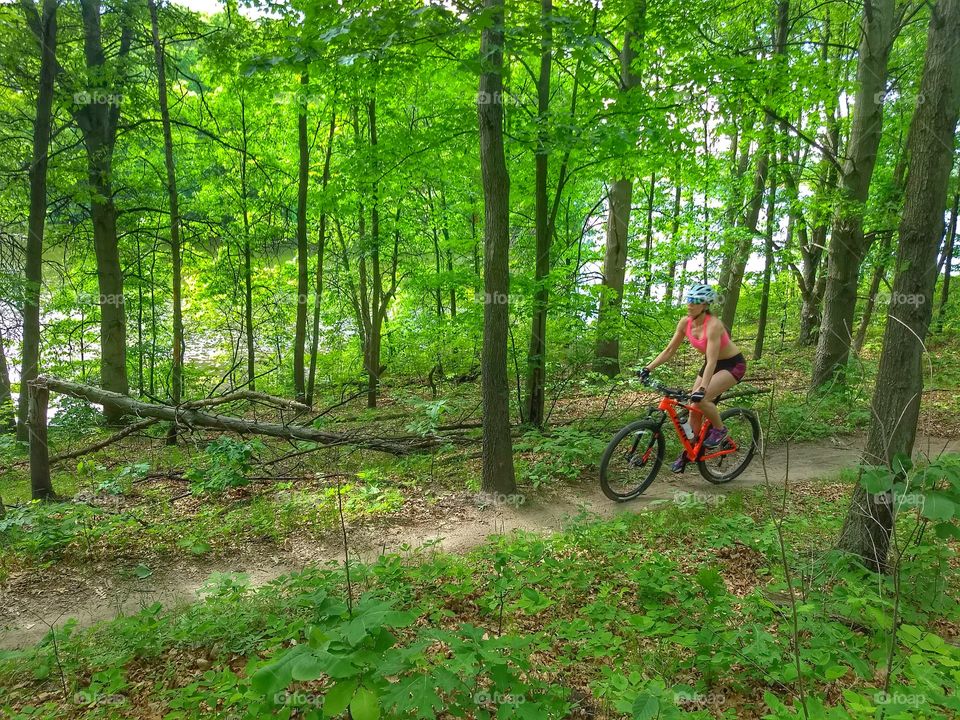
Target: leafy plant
<point>225,465</point>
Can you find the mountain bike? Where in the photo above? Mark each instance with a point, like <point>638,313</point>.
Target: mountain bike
<point>634,456</point>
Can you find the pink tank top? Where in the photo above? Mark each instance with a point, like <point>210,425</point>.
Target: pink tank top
<point>701,343</point>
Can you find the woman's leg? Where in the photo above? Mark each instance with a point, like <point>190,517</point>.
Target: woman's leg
<point>696,419</point>
<point>722,381</point>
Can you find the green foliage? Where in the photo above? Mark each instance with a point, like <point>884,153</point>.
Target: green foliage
<point>225,465</point>
<point>562,454</point>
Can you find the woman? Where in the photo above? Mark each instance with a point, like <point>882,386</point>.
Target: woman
<point>723,367</point>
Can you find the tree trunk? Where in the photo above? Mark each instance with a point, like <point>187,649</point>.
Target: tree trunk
<point>748,227</point>
<point>648,244</point>
<point>176,368</point>
<point>537,354</point>
<point>814,280</point>
<point>321,246</point>
<point>247,253</point>
<point>45,33</point>
<point>847,244</point>
<point>39,397</point>
<point>303,283</point>
<point>7,412</point>
<point>896,399</point>
<point>948,260</point>
<point>674,235</point>
<point>767,270</point>
<point>618,221</point>
<point>878,273</point>
<point>97,116</point>
<point>498,470</point>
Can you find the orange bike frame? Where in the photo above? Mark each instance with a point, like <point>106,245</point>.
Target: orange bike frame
<point>668,405</point>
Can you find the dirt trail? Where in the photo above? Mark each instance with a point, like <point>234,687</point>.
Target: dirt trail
<point>457,524</point>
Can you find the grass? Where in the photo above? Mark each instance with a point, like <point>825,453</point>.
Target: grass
<point>682,609</point>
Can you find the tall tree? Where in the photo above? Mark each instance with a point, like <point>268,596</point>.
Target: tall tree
<point>303,281</point>
<point>98,114</point>
<point>896,398</point>
<point>537,354</point>
<point>948,258</point>
<point>321,248</point>
<point>847,243</point>
<point>735,263</point>
<point>43,26</point>
<point>498,470</point>
<point>176,367</point>
<point>619,200</point>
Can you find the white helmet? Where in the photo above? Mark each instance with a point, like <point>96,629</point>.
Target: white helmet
<point>700,293</point>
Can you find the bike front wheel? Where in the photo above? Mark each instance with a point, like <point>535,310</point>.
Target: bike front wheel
<point>631,460</point>
<point>723,464</point>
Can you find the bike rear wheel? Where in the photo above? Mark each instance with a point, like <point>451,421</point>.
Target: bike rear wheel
<point>632,460</point>
<point>743,434</point>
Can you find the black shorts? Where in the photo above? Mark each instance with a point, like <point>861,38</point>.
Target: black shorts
<point>736,366</point>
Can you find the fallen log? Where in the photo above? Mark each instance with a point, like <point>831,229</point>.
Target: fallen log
<point>249,395</point>
<point>185,415</point>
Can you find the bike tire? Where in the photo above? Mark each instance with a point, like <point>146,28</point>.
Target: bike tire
<point>646,473</point>
<point>718,478</point>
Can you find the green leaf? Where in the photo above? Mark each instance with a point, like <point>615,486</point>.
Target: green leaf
<point>645,707</point>
<point>338,697</point>
<point>142,571</point>
<point>937,506</point>
<point>274,677</point>
<point>307,667</point>
<point>876,480</point>
<point>365,705</point>
<point>901,463</point>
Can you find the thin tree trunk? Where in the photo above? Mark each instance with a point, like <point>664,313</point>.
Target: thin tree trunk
<point>948,260</point>
<point>738,263</point>
<point>897,392</point>
<point>879,271</point>
<point>38,398</point>
<point>618,220</point>
<point>767,270</point>
<point>847,244</point>
<point>648,245</point>
<point>537,354</point>
<point>498,470</point>
<point>45,33</point>
<point>7,412</point>
<point>321,246</point>
<point>674,236</point>
<point>176,368</point>
<point>303,271</point>
<point>247,253</point>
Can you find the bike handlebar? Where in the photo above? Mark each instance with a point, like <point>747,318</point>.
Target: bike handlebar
<point>677,393</point>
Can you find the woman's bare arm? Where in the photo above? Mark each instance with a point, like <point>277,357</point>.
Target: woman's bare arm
<point>671,348</point>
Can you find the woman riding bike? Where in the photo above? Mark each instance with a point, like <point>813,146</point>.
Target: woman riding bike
<point>723,367</point>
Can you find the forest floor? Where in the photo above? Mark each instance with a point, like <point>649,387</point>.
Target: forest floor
<point>33,602</point>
